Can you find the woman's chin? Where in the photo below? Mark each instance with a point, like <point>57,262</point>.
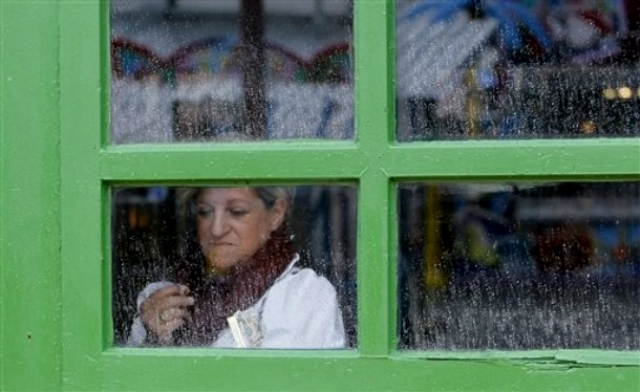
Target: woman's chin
<point>219,269</point>
<point>217,264</point>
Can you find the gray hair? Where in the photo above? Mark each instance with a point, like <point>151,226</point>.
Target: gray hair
<point>268,195</point>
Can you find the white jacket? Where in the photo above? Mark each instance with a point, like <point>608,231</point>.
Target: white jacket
<point>300,311</point>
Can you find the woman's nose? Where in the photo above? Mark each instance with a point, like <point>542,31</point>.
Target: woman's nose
<point>220,225</point>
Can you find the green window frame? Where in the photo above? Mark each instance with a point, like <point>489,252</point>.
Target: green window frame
<point>57,167</point>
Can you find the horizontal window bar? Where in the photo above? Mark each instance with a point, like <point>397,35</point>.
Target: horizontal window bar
<point>583,357</point>
<point>268,162</point>
<point>532,159</point>
<point>277,372</point>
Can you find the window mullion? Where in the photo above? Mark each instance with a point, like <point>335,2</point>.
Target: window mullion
<point>374,74</point>
<point>375,97</point>
<point>81,193</point>
<point>375,299</point>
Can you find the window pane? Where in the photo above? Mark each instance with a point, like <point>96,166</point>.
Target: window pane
<point>528,266</point>
<point>238,70</point>
<point>268,267</point>
<point>516,69</point>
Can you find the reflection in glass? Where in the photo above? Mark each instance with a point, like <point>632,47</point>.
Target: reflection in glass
<point>263,267</point>
<point>230,70</point>
<point>505,69</point>
<point>532,266</point>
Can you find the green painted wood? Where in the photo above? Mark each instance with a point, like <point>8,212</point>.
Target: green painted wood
<point>83,224</point>
<point>271,161</point>
<point>392,267</point>
<point>2,131</point>
<point>291,372</point>
<point>509,160</point>
<point>107,290</point>
<point>551,357</point>
<point>31,294</point>
<point>374,75</point>
<point>374,160</point>
<point>513,160</point>
<point>105,69</point>
<point>374,125</point>
<point>374,320</point>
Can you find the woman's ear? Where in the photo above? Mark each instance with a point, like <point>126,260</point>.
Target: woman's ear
<point>278,213</point>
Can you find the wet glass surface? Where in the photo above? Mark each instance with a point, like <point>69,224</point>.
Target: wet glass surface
<point>156,237</point>
<point>503,69</point>
<point>513,267</point>
<point>232,70</point>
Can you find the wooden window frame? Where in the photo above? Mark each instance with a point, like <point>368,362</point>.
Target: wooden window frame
<point>75,351</point>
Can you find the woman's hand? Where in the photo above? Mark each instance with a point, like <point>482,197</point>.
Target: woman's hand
<point>165,311</point>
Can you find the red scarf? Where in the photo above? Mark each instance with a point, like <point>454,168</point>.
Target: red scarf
<point>220,297</point>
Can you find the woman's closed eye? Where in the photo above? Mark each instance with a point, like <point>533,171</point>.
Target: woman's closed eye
<point>204,212</point>
<point>238,213</point>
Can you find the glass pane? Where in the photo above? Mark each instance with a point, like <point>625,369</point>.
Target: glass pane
<point>514,267</point>
<point>473,69</point>
<point>231,70</point>
<point>261,267</point>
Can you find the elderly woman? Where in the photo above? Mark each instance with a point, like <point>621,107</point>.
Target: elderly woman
<point>241,287</point>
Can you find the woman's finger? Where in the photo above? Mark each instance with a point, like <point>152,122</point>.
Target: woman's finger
<point>167,297</point>
<point>174,301</point>
<point>165,292</point>
<point>164,333</point>
<point>170,314</point>
<point>165,309</point>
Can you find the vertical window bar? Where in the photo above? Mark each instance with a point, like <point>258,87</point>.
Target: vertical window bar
<point>374,125</point>
<point>374,49</point>
<point>81,119</point>
<point>105,73</point>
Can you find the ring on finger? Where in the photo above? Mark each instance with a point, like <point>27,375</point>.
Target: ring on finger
<point>165,316</point>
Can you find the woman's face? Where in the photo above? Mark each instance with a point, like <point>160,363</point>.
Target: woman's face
<point>233,223</point>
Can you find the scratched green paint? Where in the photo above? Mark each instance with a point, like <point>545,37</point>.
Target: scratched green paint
<point>313,371</point>
<point>374,97</point>
<point>83,260</point>
<point>31,291</point>
<point>1,194</point>
<point>70,349</point>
